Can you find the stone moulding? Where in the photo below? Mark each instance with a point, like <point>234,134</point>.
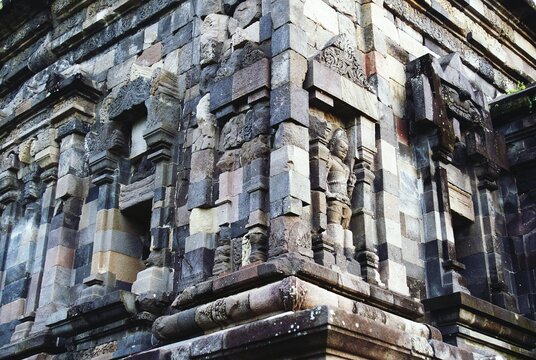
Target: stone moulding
<point>255,275</point>
<point>136,193</point>
<point>70,87</point>
<point>337,83</point>
<point>313,333</point>
<point>289,294</point>
<point>466,311</point>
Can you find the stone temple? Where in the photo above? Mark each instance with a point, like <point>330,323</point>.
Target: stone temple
<point>267,179</point>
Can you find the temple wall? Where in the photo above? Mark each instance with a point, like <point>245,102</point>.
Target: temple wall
<point>173,169</point>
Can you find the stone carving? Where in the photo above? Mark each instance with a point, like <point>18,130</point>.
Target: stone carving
<point>258,240</point>
<point>340,182</point>
<point>10,162</point>
<point>163,106</point>
<point>293,294</point>
<point>214,312</point>
<point>130,95</point>
<point>206,123</point>
<point>109,138</point>
<point>459,102</point>
<point>222,257</point>
<point>144,169</point>
<point>236,252</point>
<point>342,57</point>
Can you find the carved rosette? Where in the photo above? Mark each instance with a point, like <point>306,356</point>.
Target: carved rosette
<point>292,294</point>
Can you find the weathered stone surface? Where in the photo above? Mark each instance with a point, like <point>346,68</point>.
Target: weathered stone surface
<point>288,170</point>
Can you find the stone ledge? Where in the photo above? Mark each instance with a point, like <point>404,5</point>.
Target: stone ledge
<point>40,343</point>
<point>79,318</point>
<point>481,316</point>
<point>508,108</point>
<point>75,85</point>
<point>312,333</point>
<point>293,265</point>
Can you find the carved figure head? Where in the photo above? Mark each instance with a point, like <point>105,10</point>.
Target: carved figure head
<point>338,145</point>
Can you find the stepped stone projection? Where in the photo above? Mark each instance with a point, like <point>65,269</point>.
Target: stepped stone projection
<point>267,179</point>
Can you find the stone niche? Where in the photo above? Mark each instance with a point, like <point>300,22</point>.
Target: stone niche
<point>343,114</point>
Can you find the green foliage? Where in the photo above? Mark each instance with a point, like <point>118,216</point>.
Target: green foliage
<point>520,86</point>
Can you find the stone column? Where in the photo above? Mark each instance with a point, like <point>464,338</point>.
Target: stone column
<point>11,306</point>
<point>28,223</point>
<point>363,226</point>
<point>117,249</point>
<point>290,190</point>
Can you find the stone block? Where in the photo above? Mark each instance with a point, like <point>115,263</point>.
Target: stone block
<point>289,234</point>
<point>69,185</point>
<point>202,165</point>
<point>289,102</point>
<point>322,14</point>
<point>393,275</point>
<point>182,15</point>
<point>246,12</point>
<point>153,280</point>
<point>290,183</point>
<point>257,218</point>
<point>250,79</point>
<point>286,11</point>
<point>289,158</point>
<point>197,265</point>
<point>289,37</point>
<point>59,256</point>
<point>200,194</point>
<point>12,311</point>
<point>200,240</point>
<point>204,220</point>
<point>288,66</point>
<point>124,267</point>
<point>265,28</point>
<point>118,241</point>
<point>289,133</point>
<point>150,55</point>
<point>221,93</point>
<point>206,7</point>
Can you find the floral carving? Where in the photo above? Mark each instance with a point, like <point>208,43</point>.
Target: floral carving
<point>342,57</point>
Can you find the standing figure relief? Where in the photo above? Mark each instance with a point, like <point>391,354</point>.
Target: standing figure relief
<point>340,181</point>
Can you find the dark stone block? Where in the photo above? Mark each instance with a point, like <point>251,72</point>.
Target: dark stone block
<point>74,126</point>
<point>16,290</point>
<point>83,255</point>
<point>197,264</point>
<point>92,194</point>
<point>221,93</point>
<point>122,285</point>
<point>62,236</point>
<point>178,40</point>
<point>108,197</point>
<point>243,205</point>
<point>15,273</point>
<point>81,273</point>
<point>160,236</point>
<point>238,228</point>
<point>164,28</point>
<point>129,47</point>
<point>6,330</point>
<point>389,251</point>
<point>200,194</point>
<point>265,27</point>
<point>289,102</point>
<point>159,194</point>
